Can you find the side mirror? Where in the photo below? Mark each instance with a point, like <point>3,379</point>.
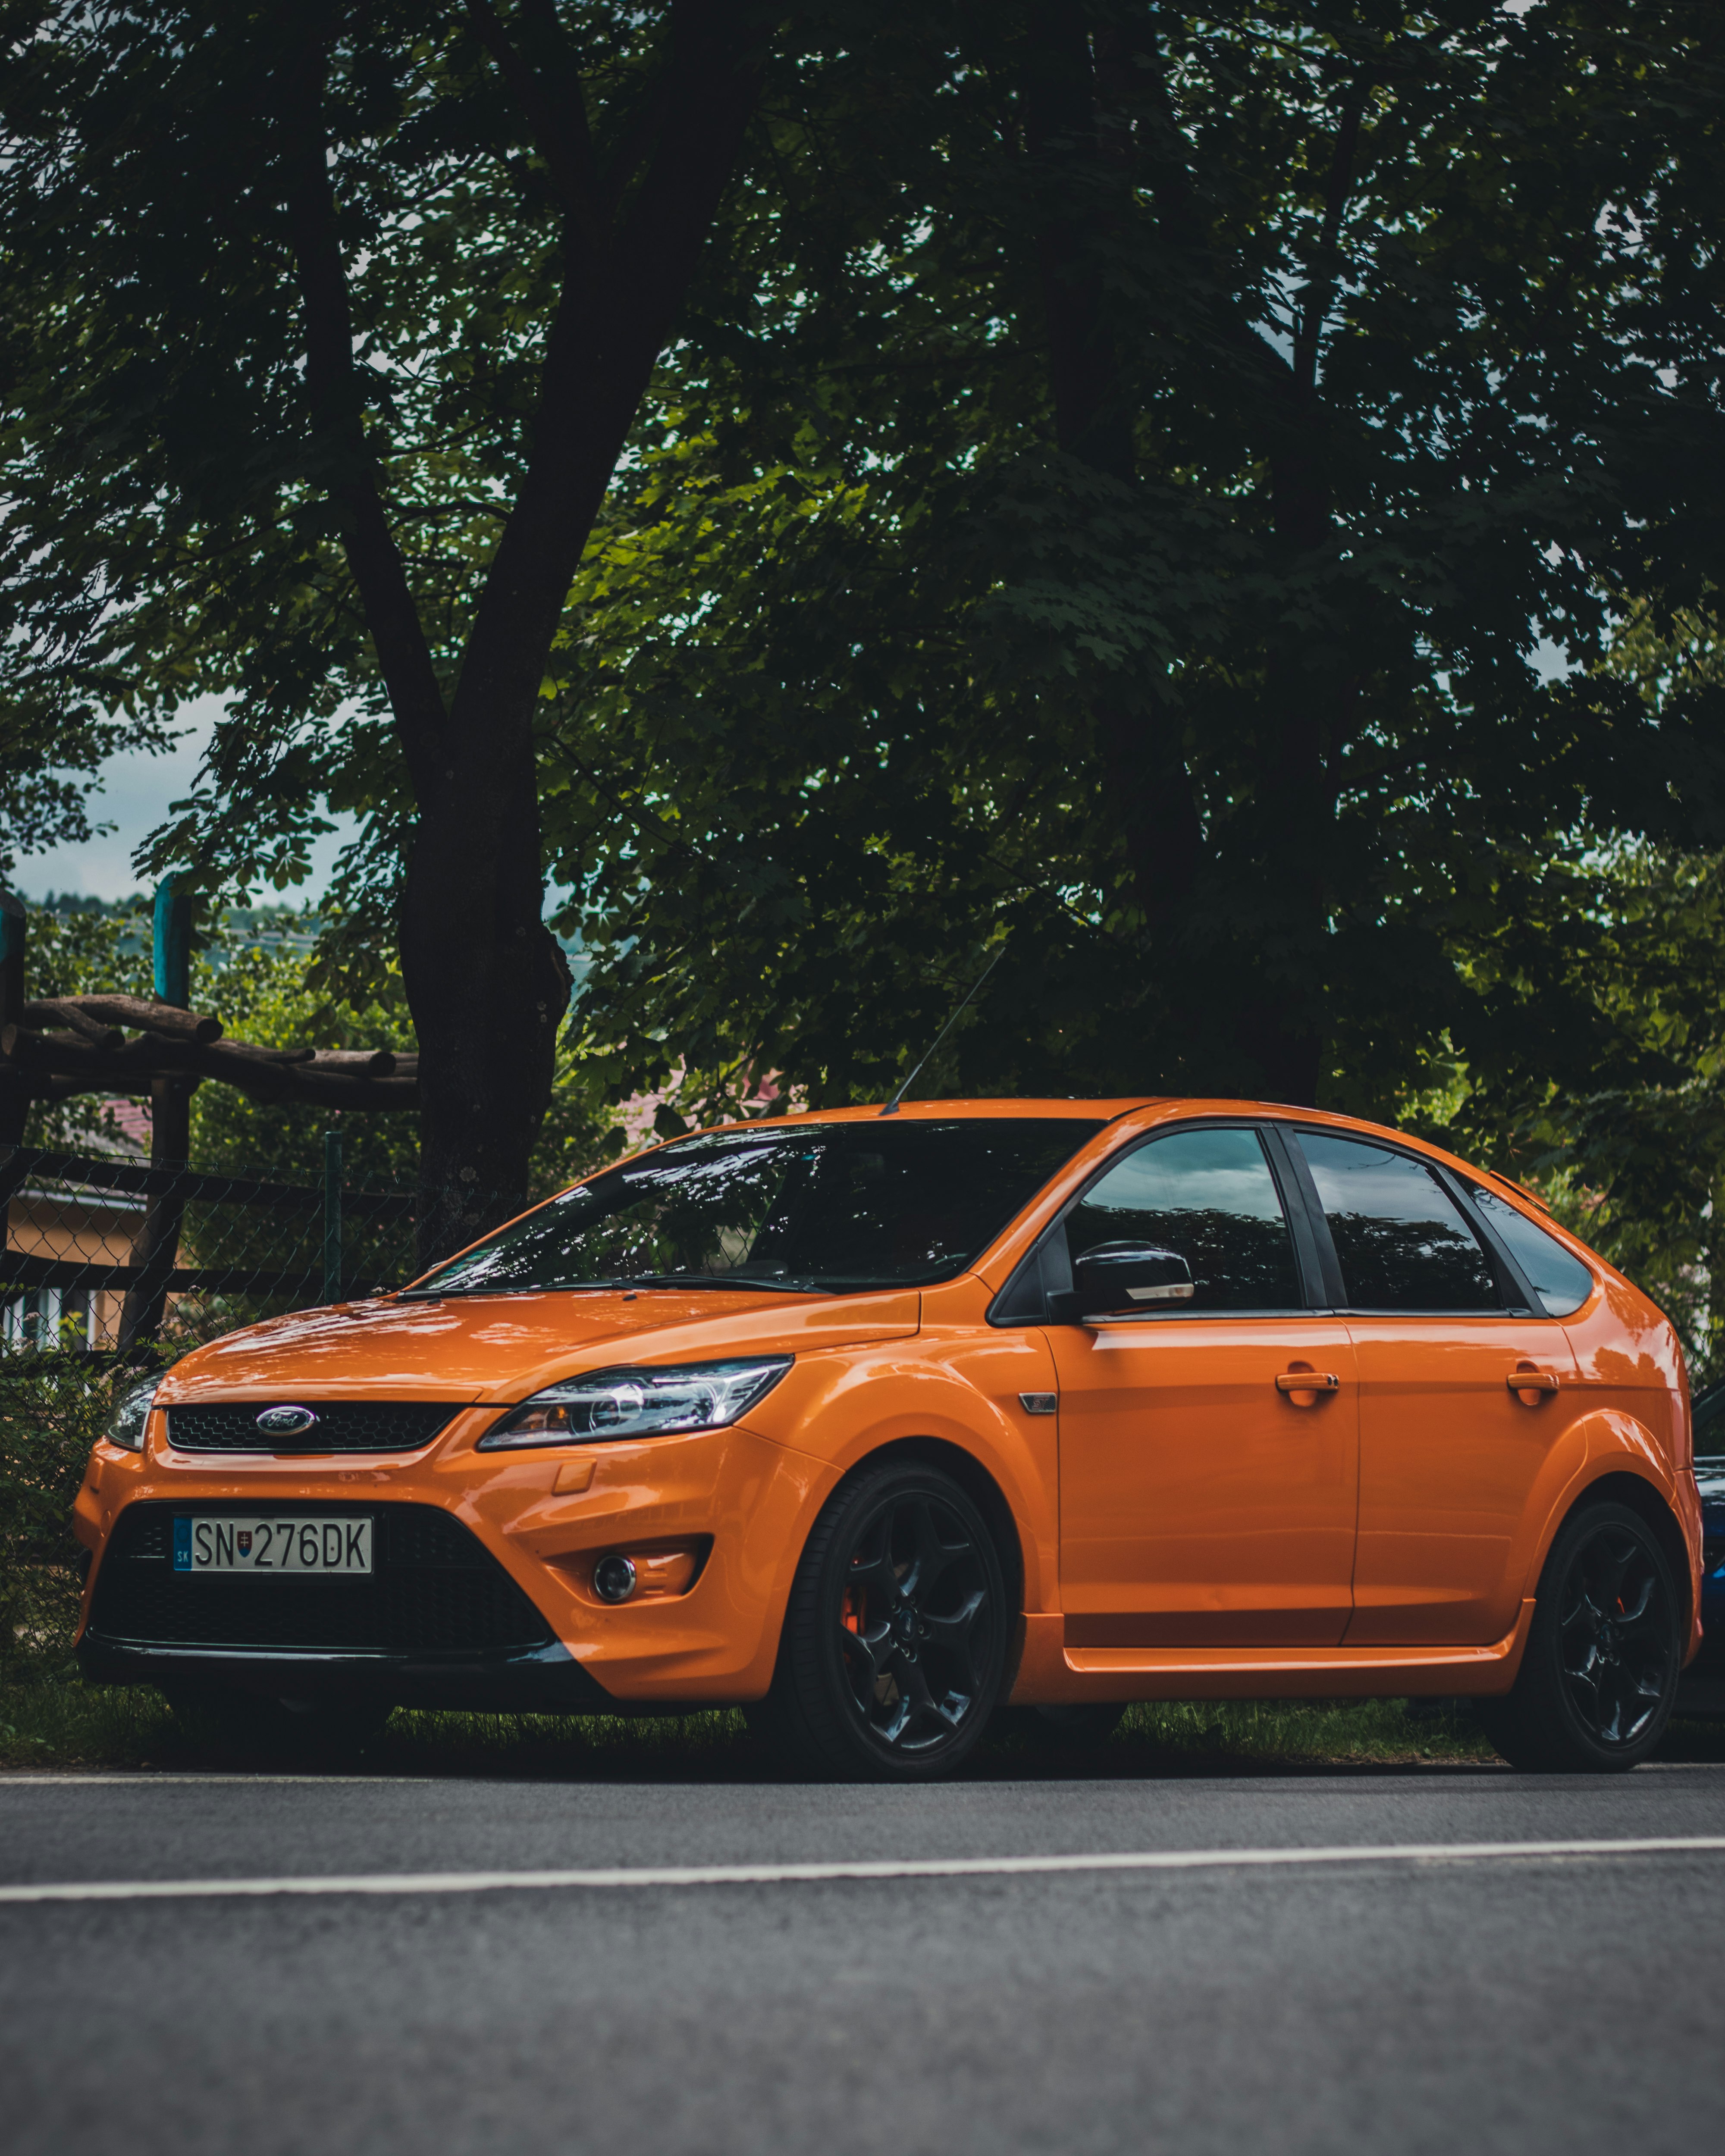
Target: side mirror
<point>1123,1276</point>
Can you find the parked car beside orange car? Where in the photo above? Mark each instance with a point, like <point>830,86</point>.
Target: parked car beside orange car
<point>1703,1691</point>
<point>873,1421</point>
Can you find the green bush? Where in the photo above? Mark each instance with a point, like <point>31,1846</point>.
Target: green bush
<point>51,1408</point>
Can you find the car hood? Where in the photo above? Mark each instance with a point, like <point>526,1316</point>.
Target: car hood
<point>499,1348</point>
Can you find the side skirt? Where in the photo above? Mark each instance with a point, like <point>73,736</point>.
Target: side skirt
<point>1052,1674</point>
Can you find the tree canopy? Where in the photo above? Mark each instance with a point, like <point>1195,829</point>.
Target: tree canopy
<point>1151,530</point>
<point>328,324</point>
<point>1222,503</point>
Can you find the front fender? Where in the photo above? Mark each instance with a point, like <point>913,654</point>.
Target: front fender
<point>953,1388</point>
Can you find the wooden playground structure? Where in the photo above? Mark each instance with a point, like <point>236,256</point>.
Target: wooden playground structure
<point>52,1047</point>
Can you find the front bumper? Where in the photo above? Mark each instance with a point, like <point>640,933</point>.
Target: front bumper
<point>739,1499</point>
<point>436,1622</point>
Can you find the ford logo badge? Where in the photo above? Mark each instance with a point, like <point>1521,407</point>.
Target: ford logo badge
<point>285,1421</point>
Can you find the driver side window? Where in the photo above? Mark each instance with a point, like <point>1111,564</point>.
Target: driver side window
<point>1209,1196</point>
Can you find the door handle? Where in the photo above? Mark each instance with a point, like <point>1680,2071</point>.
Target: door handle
<point>1530,1387</point>
<point>1308,1381</point>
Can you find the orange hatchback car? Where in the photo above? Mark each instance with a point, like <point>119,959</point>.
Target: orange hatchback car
<point>876,1422</point>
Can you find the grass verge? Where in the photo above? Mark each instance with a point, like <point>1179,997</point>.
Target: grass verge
<point>60,1723</point>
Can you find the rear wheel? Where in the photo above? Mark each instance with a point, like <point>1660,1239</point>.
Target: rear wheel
<point>894,1641</point>
<point>1599,1676</point>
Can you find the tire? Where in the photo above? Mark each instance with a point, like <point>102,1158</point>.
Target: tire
<point>894,1646</point>
<point>233,1721</point>
<point>1598,1679</point>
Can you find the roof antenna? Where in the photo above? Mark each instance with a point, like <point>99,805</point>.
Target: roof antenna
<point>892,1108</point>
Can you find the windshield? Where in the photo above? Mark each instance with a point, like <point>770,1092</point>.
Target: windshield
<point>798,1206</point>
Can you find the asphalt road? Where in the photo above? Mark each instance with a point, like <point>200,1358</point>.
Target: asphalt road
<point>1522,2002</point>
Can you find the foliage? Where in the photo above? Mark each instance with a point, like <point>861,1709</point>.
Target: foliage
<point>327,327</point>
<point>159,438</point>
<point>1105,499</point>
<point>52,750</point>
<point>52,1410</point>
<point>1600,1072</point>
<point>1234,732</point>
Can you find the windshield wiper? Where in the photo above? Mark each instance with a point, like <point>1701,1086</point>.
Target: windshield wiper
<point>432,1293</point>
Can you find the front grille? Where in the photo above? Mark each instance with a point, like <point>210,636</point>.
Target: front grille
<point>436,1590</point>
<point>341,1426</point>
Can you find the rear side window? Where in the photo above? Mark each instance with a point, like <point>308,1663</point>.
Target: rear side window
<point>1402,1241</point>
<point>1560,1282</point>
<point>1209,1196</point>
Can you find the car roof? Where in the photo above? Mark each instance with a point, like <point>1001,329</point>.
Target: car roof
<point>1171,1107</point>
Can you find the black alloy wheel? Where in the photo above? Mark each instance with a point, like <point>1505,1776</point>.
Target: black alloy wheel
<point>895,1641</point>
<point>1599,1676</point>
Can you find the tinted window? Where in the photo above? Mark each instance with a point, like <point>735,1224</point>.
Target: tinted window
<point>1560,1283</point>
<point>794,1204</point>
<point>1402,1241</point>
<point>1208,1195</point>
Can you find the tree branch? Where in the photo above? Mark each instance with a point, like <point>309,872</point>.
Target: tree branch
<point>1322,288</point>
<point>558,119</point>
<point>341,456</point>
<point>613,318</point>
<point>1059,95</point>
<point>632,145</point>
<point>1176,200</point>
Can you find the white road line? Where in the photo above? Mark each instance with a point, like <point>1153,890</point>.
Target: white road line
<point>782,1875</point>
<point>147,1778</point>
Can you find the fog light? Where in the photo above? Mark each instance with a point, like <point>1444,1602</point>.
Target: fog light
<point>614,1578</point>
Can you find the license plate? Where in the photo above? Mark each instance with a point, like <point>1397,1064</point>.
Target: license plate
<point>301,1546</point>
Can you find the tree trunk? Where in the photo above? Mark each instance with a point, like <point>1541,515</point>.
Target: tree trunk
<point>486,983</point>
<point>488,986</point>
<point>1145,779</point>
<point>1283,1027</point>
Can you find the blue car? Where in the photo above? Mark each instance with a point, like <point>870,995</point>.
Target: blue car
<point>1702,1689</point>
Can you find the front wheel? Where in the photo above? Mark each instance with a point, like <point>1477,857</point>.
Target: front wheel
<point>894,1641</point>
<point>1598,1679</point>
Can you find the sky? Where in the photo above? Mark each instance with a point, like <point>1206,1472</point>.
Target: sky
<point>136,793</point>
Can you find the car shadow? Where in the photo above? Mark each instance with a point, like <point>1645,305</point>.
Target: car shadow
<point>1235,1741</point>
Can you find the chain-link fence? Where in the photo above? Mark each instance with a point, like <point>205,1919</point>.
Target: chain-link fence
<point>107,1253</point>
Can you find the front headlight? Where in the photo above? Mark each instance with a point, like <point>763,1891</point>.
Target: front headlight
<point>606,1404</point>
<point>125,1425</point>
